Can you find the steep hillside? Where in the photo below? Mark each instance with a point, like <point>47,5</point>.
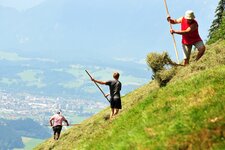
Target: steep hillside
<point>186,114</point>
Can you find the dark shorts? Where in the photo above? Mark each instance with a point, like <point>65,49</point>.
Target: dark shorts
<point>116,103</point>
<point>57,129</point>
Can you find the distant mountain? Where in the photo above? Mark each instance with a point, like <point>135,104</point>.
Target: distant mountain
<point>69,30</point>
<point>12,131</point>
<point>28,128</point>
<point>9,139</point>
<point>49,77</point>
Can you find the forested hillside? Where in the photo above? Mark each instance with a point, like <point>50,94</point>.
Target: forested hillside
<point>12,131</point>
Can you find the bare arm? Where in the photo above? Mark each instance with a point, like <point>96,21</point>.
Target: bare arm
<point>189,29</point>
<point>67,123</point>
<point>64,119</point>
<point>98,81</point>
<point>174,21</point>
<point>50,121</point>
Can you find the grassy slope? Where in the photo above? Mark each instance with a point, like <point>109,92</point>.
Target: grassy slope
<point>187,113</point>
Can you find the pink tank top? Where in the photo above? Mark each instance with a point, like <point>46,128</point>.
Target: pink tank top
<point>58,119</point>
<point>191,37</point>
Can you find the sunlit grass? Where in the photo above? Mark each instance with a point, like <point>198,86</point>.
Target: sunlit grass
<point>186,114</point>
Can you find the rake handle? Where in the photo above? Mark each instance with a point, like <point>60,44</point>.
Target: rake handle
<point>97,85</point>
<point>66,125</point>
<point>174,41</point>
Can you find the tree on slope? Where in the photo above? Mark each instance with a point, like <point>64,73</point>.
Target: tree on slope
<point>216,30</point>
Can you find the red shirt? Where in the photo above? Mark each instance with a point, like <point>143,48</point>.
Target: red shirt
<point>191,37</point>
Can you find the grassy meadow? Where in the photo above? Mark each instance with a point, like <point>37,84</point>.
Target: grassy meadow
<point>186,114</point>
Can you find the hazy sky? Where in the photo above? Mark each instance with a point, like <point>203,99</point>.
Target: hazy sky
<point>47,44</point>
<point>21,5</point>
<point>125,30</point>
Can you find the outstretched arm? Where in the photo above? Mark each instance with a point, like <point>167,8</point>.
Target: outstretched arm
<point>98,81</point>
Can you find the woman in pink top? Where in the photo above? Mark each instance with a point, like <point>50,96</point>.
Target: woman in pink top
<point>56,124</point>
<point>190,35</point>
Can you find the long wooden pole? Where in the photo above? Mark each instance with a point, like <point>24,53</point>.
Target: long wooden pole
<point>174,42</point>
<point>66,125</point>
<point>97,86</point>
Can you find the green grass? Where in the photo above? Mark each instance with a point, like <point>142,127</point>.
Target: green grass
<point>186,114</point>
<point>32,78</point>
<point>30,143</point>
<point>75,119</point>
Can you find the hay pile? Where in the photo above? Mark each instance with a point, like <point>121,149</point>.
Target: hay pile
<point>162,66</point>
<point>165,70</point>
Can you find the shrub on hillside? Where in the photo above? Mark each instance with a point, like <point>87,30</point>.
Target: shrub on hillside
<point>162,67</point>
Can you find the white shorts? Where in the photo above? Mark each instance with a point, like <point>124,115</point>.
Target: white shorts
<point>187,49</point>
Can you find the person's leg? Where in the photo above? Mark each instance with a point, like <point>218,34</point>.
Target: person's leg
<point>201,49</point>
<point>112,105</point>
<point>59,131</point>
<point>116,112</point>
<point>187,53</point>
<point>56,136</point>
<point>118,106</point>
<point>54,131</point>
<point>112,113</point>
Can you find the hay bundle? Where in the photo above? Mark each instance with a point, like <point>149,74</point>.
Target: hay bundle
<point>162,67</point>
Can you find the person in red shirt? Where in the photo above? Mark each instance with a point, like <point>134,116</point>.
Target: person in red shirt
<point>190,35</point>
<point>56,124</point>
